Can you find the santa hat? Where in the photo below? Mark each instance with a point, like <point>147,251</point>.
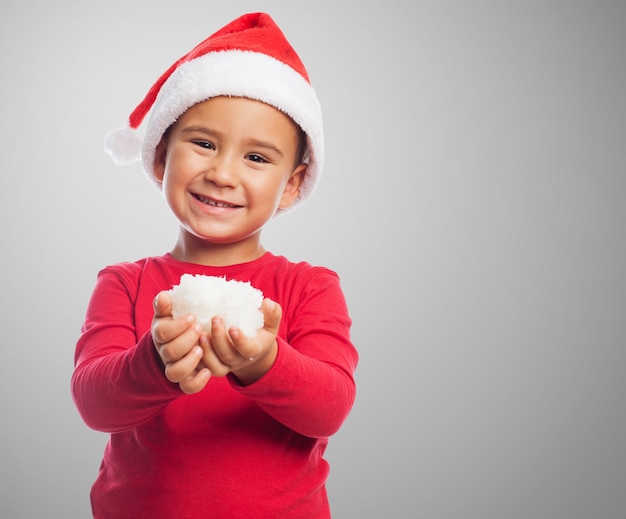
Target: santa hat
<point>249,57</point>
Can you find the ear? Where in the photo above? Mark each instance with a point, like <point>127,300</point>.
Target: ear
<point>160,155</point>
<point>292,188</point>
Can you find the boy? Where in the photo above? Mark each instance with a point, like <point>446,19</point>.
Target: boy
<point>219,424</point>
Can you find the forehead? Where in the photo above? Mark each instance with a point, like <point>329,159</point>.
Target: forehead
<point>238,109</point>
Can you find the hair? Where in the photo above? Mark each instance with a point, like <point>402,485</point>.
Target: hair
<point>302,144</point>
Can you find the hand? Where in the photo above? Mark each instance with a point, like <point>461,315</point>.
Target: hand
<point>232,351</point>
<point>176,341</point>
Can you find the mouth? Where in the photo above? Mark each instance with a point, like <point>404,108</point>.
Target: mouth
<point>214,203</point>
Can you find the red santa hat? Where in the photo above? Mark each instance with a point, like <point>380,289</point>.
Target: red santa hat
<point>249,57</point>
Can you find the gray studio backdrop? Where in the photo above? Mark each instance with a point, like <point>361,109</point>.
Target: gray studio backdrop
<point>473,203</point>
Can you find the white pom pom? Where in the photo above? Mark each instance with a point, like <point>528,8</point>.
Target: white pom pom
<point>237,302</point>
<point>124,145</point>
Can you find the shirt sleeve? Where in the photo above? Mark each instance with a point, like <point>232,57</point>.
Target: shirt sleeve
<point>118,380</point>
<point>311,388</point>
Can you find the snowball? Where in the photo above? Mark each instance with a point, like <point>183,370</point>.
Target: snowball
<point>238,303</point>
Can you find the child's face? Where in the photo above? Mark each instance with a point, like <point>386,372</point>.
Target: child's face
<point>226,165</point>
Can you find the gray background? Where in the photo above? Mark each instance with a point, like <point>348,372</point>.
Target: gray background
<point>473,202</point>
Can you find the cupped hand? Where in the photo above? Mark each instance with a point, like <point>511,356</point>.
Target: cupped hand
<point>232,351</point>
<point>177,343</point>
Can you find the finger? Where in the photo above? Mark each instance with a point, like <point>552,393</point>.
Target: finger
<point>272,314</point>
<point>180,345</point>
<point>162,304</point>
<point>221,343</point>
<point>185,367</point>
<point>195,382</point>
<point>249,348</point>
<point>211,360</point>
<point>165,330</point>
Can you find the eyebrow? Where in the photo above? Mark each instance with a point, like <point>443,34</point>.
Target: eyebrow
<point>258,143</point>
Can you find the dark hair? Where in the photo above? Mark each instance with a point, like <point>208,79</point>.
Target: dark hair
<point>302,144</point>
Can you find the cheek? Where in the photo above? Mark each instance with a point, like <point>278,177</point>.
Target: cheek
<point>174,183</point>
<point>178,168</point>
<point>267,191</point>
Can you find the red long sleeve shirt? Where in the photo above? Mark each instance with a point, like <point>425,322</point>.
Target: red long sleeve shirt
<point>228,451</point>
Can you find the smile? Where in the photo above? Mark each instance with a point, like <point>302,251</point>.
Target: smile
<point>214,203</point>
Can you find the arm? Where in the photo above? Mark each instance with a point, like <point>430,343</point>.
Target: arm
<point>118,381</point>
<point>310,387</point>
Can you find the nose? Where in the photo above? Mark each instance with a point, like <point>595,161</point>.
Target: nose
<point>221,170</point>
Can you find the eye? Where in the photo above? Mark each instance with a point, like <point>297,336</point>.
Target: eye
<point>254,157</point>
<point>203,144</point>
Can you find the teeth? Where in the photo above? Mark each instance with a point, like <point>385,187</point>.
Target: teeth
<point>208,201</point>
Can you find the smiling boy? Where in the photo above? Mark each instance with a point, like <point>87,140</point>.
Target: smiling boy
<point>226,166</point>
<point>219,424</point>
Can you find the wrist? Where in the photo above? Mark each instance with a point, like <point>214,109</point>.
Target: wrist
<point>257,367</point>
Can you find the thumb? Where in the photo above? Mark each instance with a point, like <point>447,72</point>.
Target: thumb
<point>272,313</point>
<point>162,304</point>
